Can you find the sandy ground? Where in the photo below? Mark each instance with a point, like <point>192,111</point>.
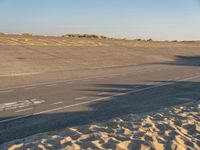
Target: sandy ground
<point>171,128</point>
<point>176,128</point>
<point>27,55</point>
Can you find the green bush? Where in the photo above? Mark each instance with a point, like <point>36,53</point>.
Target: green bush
<point>94,36</point>
<point>27,34</point>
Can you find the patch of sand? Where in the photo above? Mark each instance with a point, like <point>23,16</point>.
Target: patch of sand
<point>27,55</point>
<point>176,128</point>
<point>41,41</point>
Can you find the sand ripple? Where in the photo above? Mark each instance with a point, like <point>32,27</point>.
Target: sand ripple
<point>176,128</point>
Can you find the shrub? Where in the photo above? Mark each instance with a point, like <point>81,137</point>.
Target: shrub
<point>27,34</point>
<point>174,41</point>
<point>85,36</point>
<point>149,40</point>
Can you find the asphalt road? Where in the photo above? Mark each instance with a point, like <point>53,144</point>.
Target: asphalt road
<point>27,109</point>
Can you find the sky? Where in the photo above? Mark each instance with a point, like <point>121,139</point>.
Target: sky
<point>132,19</point>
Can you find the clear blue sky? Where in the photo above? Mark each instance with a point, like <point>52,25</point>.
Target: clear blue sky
<point>157,19</point>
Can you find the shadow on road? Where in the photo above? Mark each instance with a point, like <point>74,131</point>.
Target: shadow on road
<point>185,61</point>
<point>173,93</point>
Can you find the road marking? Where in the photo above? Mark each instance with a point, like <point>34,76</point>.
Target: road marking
<point>62,81</point>
<point>169,80</point>
<point>73,105</point>
<point>120,94</point>
<point>149,83</point>
<point>56,103</point>
<point>164,84</point>
<point>115,74</point>
<point>102,93</point>
<point>80,98</point>
<point>69,82</point>
<point>156,83</point>
<point>29,88</point>
<point>49,85</point>
<point>124,89</point>
<point>6,91</point>
<point>17,111</point>
<point>15,118</point>
<point>190,75</point>
<point>110,97</point>
<point>20,104</point>
<point>98,99</point>
<point>2,90</point>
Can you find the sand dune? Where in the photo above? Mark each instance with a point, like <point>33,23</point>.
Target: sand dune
<point>24,55</point>
<point>176,128</point>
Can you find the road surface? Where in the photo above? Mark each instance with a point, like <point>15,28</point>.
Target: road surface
<point>27,109</point>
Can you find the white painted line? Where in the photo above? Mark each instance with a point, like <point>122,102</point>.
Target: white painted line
<point>20,104</point>
<point>169,80</point>
<point>29,88</point>
<point>115,74</point>
<point>23,110</point>
<point>148,83</point>
<point>95,100</point>
<point>80,98</point>
<point>6,91</point>
<point>73,105</point>
<point>49,85</point>
<point>15,118</point>
<point>56,103</point>
<point>63,81</point>
<point>19,74</point>
<point>156,83</point>
<point>190,75</point>
<point>124,89</point>
<point>102,93</point>
<point>120,94</point>
<point>156,86</point>
<point>135,87</point>
<point>53,82</point>
<point>110,97</point>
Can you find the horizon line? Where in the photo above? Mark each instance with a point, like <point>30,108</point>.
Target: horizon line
<point>92,34</point>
